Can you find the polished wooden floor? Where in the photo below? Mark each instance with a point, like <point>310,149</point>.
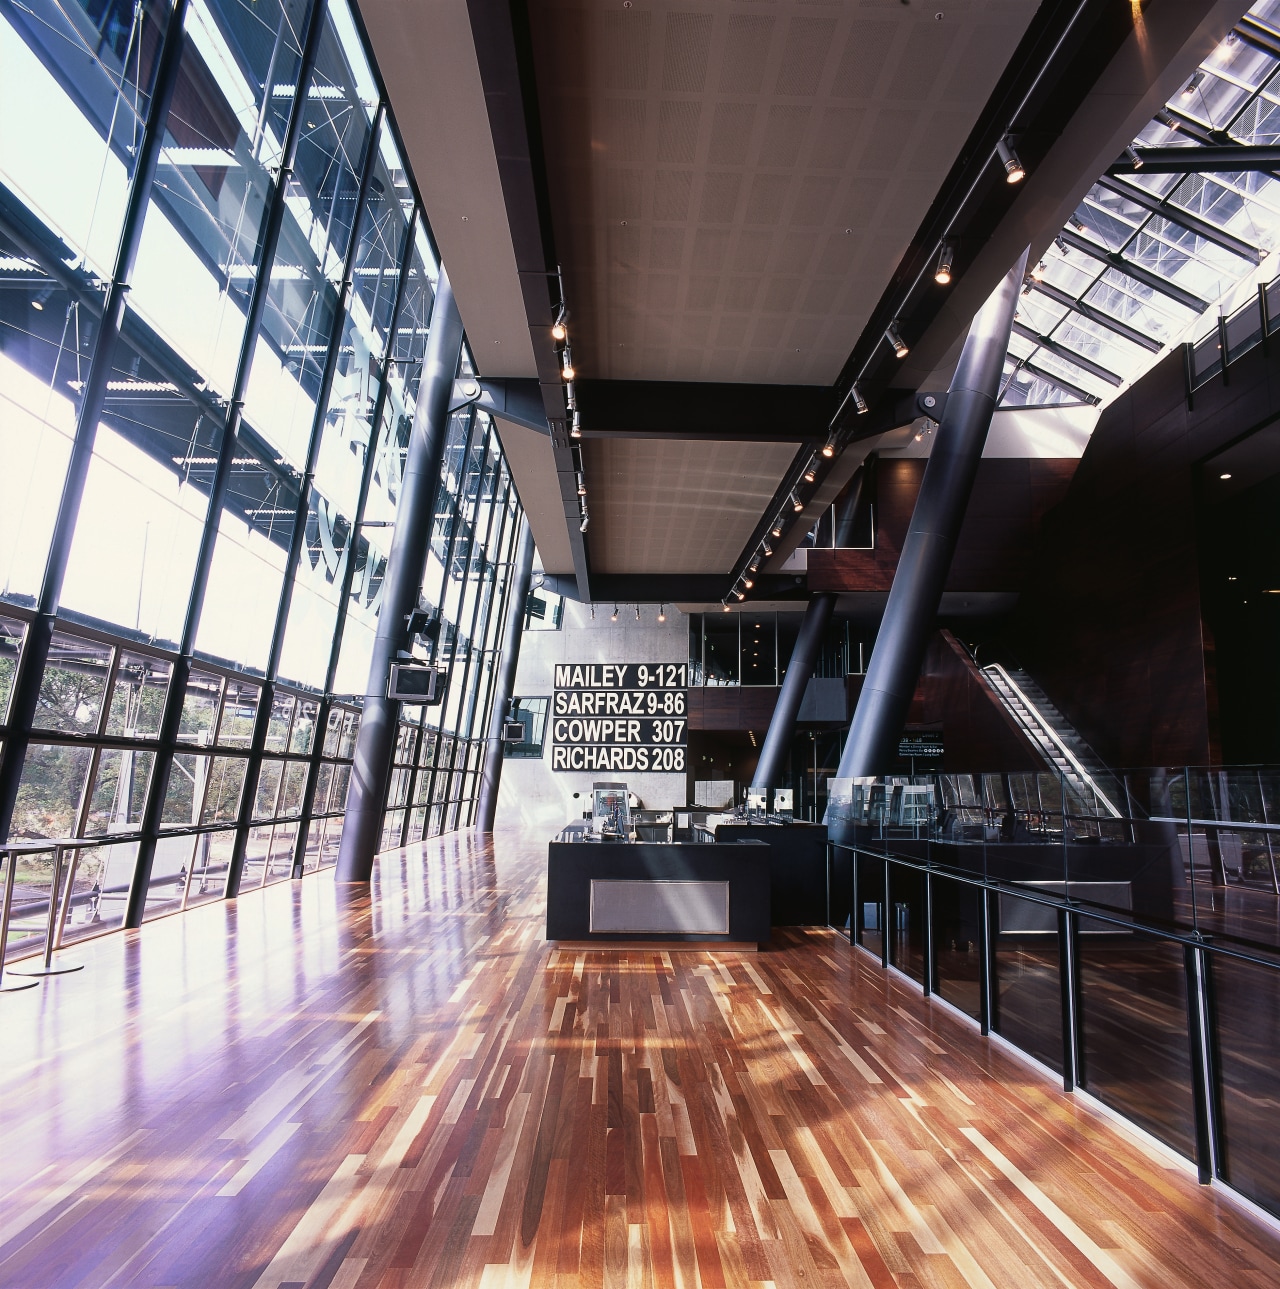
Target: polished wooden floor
<point>414,1090</point>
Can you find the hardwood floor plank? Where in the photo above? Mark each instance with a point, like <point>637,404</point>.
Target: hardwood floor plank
<point>331,1089</point>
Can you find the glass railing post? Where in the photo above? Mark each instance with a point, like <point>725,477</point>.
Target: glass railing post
<point>1202,1074</point>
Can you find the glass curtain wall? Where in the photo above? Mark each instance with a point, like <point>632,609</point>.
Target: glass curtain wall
<point>224,562</point>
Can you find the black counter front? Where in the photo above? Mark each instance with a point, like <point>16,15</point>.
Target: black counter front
<point>649,891</point>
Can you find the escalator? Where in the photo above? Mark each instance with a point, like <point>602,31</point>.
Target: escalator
<point>1054,738</point>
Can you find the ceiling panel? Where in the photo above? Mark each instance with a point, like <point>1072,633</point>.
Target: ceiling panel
<point>733,184</point>
<point>675,507</point>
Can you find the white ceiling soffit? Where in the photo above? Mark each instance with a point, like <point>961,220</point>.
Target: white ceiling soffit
<point>426,53</point>
<point>734,185</point>
<point>1058,433</point>
<point>1170,40</point>
<point>678,507</point>
<point>533,470</point>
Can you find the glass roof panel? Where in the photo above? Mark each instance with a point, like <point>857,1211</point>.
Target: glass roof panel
<point>1027,389</point>
<point>1169,235</point>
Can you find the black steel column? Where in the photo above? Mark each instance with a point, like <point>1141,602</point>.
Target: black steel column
<point>912,609</point>
<point>512,633</point>
<point>35,651</point>
<point>402,581</point>
<point>171,718</point>
<point>782,725</point>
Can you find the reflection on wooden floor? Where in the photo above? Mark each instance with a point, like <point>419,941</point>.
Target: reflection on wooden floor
<point>415,1090</point>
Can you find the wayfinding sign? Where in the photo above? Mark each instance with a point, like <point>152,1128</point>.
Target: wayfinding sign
<point>620,716</point>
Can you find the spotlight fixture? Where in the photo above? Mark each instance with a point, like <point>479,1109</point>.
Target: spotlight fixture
<point>1224,476</point>
<point>810,473</point>
<point>662,613</point>
<point>1193,84</point>
<point>582,485</point>
<point>575,427</point>
<point>724,604</point>
<point>942,273</point>
<point>1131,156</point>
<point>558,330</point>
<point>1060,243</point>
<point>582,527</point>
<point>613,617</point>
<point>754,566</point>
<point>41,298</point>
<point>828,450</point>
<point>894,337</point>
<point>571,397</point>
<point>859,402</point>
<point>567,370</point>
<point>1037,273</point>
<point>796,504</point>
<point>1014,171</point>
<point>768,550</point>
<point>742,595</point>
<point>748,583</point>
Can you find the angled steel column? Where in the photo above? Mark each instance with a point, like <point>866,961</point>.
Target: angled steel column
<point>171,718</point>
<point>35,652</point>
<point>512,633</point>
<point>401,584</point>
<point>782,726</point>
<point>912,609</point>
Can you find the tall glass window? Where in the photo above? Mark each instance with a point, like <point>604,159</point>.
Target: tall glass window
<point>268,707</point>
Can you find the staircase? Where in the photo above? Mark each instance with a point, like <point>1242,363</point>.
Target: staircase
<point>1052,735</point>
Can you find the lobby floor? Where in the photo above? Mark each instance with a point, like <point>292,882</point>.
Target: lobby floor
<point>341,1092</point>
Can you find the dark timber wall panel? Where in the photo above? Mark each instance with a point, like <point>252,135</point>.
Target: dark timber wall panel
<point>1010,499</point>
<point>1110,625</point>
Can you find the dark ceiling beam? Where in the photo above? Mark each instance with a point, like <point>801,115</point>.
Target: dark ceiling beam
<point>1213,159</point>
<point>641,409</point>
<point>504,56</point>
<point>1086,310</point>
<point>1067,354</point>
<point>676,588</point>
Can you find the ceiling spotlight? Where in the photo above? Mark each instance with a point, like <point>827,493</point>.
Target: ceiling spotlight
<point>741,595</point>
<point>724,604</point>
<point>768,550</point>
<point>575,427</point>
<point>567,370</point>
<point>571,397</point>
<point>942,273</point>
<point>582,528</point>
<point>776,530</point>
<point>748,583</point>
<point>1224,476</point>
<point>582,486</point>
<point>828,450</point>
<point>859,402</point>
<point>1037,273</point>
<point>41,298</point>
<point>1131,156</point>
<point>558,330</point>
<point>894,337</point>
<point>1014,171</point>
<point>811,473</point>
<point>1060,243</point>
<point>662,613</point>
<point>754,566</point>
<point>796,504</point>
<point>613,617</point>
<point>1192,85</point>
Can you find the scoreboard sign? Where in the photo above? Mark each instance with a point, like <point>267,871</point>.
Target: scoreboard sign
<point>620,716</point>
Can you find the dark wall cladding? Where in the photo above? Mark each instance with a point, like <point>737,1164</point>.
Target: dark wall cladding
<point>259,652</point>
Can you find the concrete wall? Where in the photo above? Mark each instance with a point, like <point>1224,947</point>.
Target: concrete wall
<point>541,800</point>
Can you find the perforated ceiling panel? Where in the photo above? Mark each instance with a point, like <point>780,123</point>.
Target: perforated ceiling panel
<point>734,183</point>
<point>678,507</point>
